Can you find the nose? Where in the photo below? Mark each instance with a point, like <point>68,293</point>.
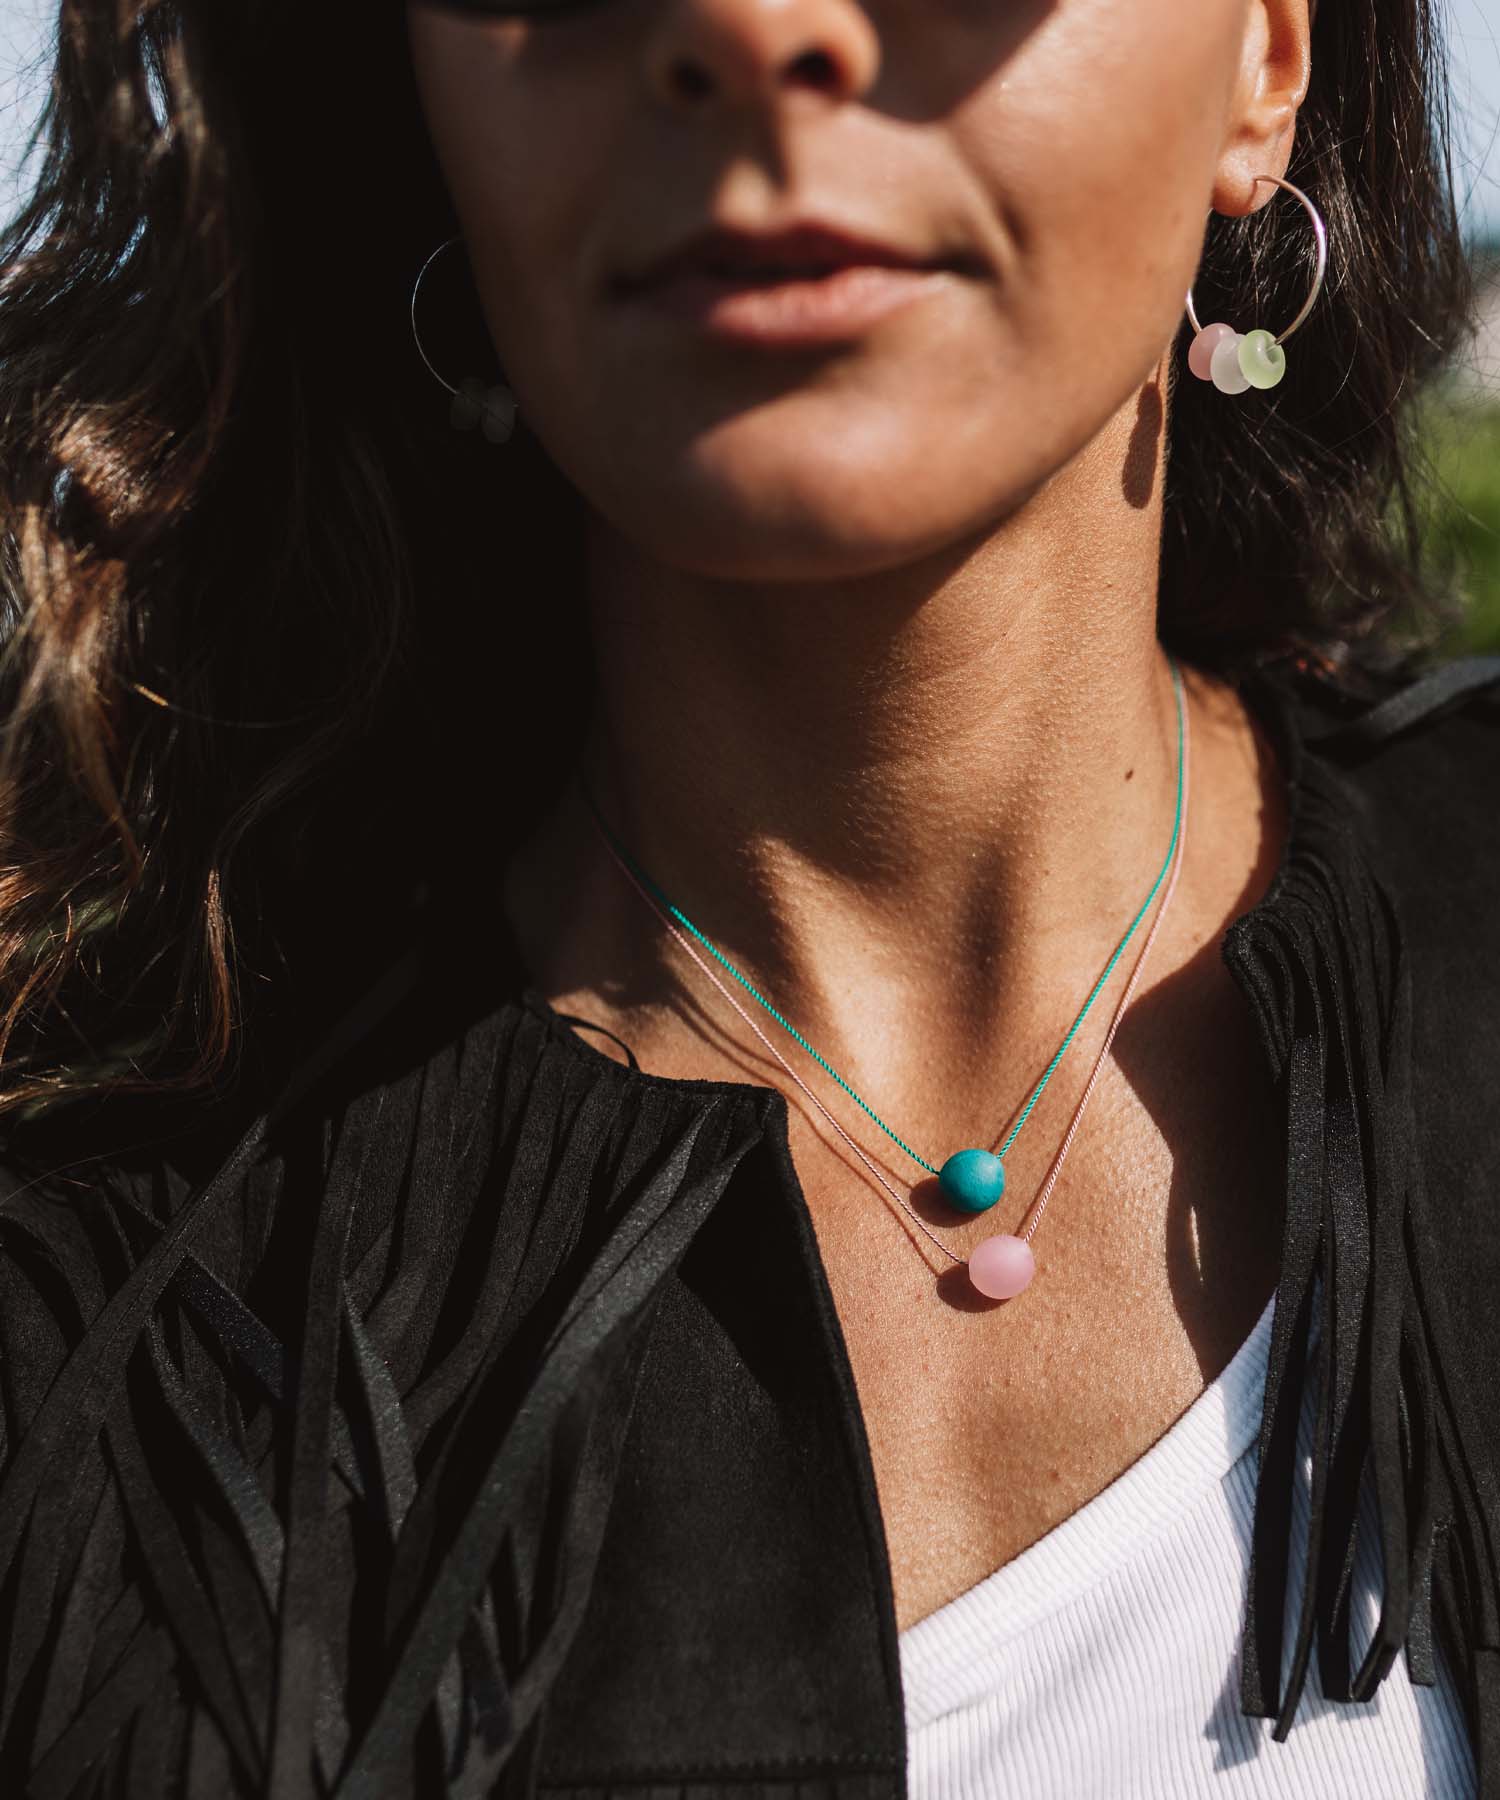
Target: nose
<point>749,53</point>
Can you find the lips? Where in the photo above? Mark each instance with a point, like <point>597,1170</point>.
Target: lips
<point>803,250</point>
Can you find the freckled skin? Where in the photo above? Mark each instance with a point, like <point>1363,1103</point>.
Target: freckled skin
<point>875,633</point>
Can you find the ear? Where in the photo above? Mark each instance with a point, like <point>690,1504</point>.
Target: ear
<point>1274,72</point>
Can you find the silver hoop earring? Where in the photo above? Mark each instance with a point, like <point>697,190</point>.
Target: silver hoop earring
<point>1234,361</point>
<point>493,408</point>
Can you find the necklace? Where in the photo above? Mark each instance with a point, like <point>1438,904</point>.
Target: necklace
<point>971,1180</point>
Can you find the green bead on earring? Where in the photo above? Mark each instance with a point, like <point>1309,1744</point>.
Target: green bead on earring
<point>1262,360</point>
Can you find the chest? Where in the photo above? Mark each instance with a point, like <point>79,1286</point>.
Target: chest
<point>989,1423</point>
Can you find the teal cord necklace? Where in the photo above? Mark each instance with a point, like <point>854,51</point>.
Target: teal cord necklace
<point>971,1180</point>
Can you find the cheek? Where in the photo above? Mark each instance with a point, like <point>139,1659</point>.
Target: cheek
<point>1098,144</point>
<point>513,148</point>
<point>455,65</point>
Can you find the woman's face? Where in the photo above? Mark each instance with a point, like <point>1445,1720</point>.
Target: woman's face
<point>1069,151</point>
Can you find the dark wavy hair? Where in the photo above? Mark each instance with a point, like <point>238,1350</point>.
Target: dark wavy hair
<point>264,610</point>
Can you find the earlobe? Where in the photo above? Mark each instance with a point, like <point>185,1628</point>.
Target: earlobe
<point>1274,77</point>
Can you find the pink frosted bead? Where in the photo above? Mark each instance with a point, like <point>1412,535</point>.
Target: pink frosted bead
<point>1000,1267</point>
<point>1201,350</point>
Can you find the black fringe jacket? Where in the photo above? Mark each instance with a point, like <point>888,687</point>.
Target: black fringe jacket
<point>476,1419</point>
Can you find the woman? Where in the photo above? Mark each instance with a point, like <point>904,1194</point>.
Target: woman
<point>457,1340</point>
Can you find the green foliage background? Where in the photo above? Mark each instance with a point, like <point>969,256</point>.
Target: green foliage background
<point>1458,428</point>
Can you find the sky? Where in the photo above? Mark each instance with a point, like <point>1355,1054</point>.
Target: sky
<point>1472,28</point>
<point>1473,33</point>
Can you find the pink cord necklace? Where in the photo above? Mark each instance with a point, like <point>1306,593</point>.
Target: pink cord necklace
<point>1000,1266</point>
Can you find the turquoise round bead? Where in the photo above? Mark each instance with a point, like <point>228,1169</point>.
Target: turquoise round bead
<point>972,1180</point>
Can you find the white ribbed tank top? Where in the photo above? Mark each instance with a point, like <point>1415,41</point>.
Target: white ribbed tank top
<point>1102,1663</point>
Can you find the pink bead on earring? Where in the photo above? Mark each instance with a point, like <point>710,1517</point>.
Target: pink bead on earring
<point>1234,361</point>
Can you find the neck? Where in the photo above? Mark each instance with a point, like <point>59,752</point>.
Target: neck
<point>917,805</point>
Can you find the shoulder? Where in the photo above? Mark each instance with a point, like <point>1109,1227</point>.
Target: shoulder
<point>1389,878</point>
<point>1419,723</point>
<point>1418,776</point>
<point>429,1301</point>
<point>1419,769</point>
<point>74,1224</point>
